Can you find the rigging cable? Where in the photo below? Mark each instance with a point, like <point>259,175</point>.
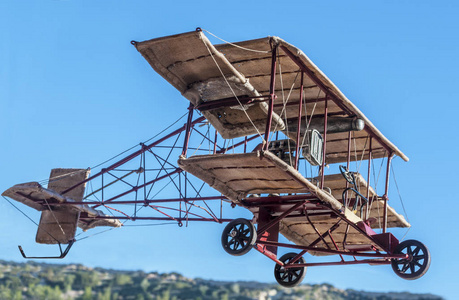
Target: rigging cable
<point>38,226</point>
<point>237,46</point>
<point>401,201</point>
<point>308,123</point>
<point>376,181</point>
<point>284,102</point>
<point>119,154</point>
<point>54,216</point>
<point>232,91</point>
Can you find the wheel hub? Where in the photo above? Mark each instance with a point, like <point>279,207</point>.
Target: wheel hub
<point>233,233</point>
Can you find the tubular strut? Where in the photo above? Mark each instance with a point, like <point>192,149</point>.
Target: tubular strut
<point>133,155</point>
<point>63,253</point>
<point>279,218</point>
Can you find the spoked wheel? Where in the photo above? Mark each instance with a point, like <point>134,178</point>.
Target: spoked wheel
<point>416,265</point>
<point>238,237</point>
<point>289,277</point>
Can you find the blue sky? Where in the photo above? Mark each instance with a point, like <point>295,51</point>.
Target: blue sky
<point>74,91</point>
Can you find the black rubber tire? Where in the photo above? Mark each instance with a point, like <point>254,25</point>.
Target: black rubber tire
<point>292,276</point>
<point>238,237</point>
<point>417,265</point>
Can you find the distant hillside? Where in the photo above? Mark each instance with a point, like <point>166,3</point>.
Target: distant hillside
<point>51,282</point>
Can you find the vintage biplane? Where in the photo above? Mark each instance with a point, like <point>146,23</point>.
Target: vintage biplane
<point>273,135</point>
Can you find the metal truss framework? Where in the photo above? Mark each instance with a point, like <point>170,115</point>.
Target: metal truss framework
<point>138,180</point>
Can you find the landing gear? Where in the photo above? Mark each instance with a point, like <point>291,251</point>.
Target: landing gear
<point>289,277</point>
<point>238,237</point>
<point>416,265</point>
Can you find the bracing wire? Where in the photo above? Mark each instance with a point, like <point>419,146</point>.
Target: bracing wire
<point>102,163</point>
<point>285,101</point>
<point>59,177</point>
<point>237,46</point>
<point>232,91</point>
<point>284,110</point>
<point>12,204</point>
<point>308,123</point>
<point>136,211</point>
<point>376,180</point>
<point>119,154</point>
<point>358,162</point>
<point>363,152</point>
<point>155,136</point>
<point>94,234</point>
<point>54,216</point>
<point>401,200</point>
<point>149,225</point>
<point>38,226</point>
<point>77,171</point>
<point>199,147</point>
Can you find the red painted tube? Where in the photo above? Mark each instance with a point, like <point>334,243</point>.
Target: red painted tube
<point>335,98</point>
<point>386,190</point>
<point>272,95</point>
<point>370,153</point>
<point>238,144</point>
<point>157,219</point>
<point>133,155</point>
<point>322,177</point>
<point>299,123</point>
<point>341,263</point>
<point>141,201</point>
<point>330,251</point>
<point>279,218</point>
<point>268,254</point>
<point>178,170</point>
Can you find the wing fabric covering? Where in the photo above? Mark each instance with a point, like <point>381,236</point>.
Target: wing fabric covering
<point>189,62</point>
<point>203,74</point>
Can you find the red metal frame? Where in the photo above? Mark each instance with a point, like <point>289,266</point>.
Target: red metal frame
<point>272,96</point>
<point>364,229</point>
<point>330,94</point>
<point>130,194</point>
<point>286,206</point>
<point>386,191</point>
<point>324,147</point>
<point>300,107</point>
